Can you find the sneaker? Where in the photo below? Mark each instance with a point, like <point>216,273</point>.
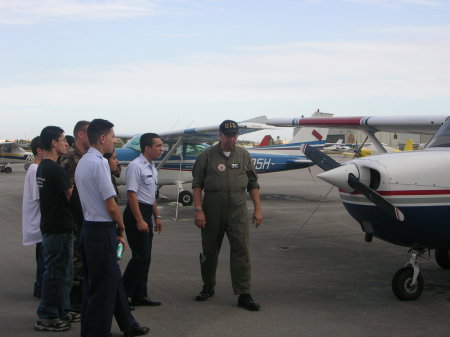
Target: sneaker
<point>51,325</point>
<point>72,317</point>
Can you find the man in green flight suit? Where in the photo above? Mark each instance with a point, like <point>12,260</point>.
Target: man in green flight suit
<point>225,172</point>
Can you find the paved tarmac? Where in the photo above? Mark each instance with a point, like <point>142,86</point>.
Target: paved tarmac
<point>325,282</point>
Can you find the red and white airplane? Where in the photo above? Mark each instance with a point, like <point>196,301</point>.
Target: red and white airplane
<point>402,198</point>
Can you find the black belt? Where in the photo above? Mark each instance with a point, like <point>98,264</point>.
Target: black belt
<point>100,224</point>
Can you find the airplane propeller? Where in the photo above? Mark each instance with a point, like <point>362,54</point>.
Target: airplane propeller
<point>337,173</point>
<point>359,148</point>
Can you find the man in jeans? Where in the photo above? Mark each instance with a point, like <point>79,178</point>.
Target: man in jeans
<point>69,162</point>
<point>31,215</point>
<point>57,235</point>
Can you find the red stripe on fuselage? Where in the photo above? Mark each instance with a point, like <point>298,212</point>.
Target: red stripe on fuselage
<point>406,192</point>
<point>331,121</point>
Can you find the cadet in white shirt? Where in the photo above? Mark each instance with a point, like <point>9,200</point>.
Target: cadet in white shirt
<point>102,230</point>
<point>142,184</point>
<point>31,214</point>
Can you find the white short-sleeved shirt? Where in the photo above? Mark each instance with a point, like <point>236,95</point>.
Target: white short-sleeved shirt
<point>31,214</point>
<point>93,180</point>
<point>142,178</point>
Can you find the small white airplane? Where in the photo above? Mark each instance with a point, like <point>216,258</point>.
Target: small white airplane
<point>337,147</point>
<point>402,198</point>
<point>12,152</point>
<point>184,146</point>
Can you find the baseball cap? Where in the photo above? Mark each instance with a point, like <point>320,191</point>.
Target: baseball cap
<point>229,127</point>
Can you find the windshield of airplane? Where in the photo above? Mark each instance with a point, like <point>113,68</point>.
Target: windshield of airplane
<point>442,136</point>
<point>134,143</point>
<point>192,150</point>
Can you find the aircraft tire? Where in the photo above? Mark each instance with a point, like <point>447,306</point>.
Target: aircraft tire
<point>401,284</point>
<point>8,169</point>
<point>185,198</point>
<point>442,258</point>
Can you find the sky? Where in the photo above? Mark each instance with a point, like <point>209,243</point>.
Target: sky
<point>161,65</point>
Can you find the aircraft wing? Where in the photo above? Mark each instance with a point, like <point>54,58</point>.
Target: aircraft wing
<point>211,133</point>
<point>409,124</point>
<point>10,147</point>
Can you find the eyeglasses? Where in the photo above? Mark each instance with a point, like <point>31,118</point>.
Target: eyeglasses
<point>62,140</point>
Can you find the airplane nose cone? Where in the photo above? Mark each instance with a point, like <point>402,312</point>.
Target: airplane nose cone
<point>339,176</point>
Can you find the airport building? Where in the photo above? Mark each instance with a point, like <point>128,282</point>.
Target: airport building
<point>392,139</point>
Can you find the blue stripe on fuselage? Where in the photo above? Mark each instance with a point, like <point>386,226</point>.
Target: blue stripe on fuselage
<point>319,144</point>
<point>264,163</point>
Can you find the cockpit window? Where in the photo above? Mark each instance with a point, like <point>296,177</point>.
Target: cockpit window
<point>194,150</point>
<point>442,136</point>
<point>191,150</point>
<point>134,143</point>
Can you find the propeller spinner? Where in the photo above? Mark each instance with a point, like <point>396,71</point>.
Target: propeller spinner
<point>346,177</point>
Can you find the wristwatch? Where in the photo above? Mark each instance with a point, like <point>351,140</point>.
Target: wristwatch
<point>198,209</point>
<point>158,217</point>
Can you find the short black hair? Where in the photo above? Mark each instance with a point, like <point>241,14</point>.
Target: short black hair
<point>79,126</point>
<point>48,134</point>
<point>70,140</point>
<point>97,128</point>
<point>35,145</point>
<point>147,140</point>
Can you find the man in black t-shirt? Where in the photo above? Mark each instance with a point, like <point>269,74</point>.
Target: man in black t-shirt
<point>57,235</point>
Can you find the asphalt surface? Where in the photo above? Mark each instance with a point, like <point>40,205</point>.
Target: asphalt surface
<point>312,278</point>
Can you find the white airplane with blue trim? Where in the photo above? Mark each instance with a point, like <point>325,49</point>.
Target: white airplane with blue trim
<point>184,146</point>
<point>402,198</point>
<point>12,152</point>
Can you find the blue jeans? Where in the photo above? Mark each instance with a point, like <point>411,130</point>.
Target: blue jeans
<point>58,275</point>
<point>40,268</point>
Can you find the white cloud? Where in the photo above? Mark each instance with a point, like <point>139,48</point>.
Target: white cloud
<point>390,3</point>
<point>296,72</point>
<point>32,11</point>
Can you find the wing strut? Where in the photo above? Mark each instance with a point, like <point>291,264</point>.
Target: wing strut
<point>169,154</point>
<point>376,142</point>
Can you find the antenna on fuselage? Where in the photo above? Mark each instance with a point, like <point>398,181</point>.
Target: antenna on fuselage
<point>176,122</point>
<point>187,126</point>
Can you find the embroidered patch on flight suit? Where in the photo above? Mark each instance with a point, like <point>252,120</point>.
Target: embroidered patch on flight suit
<point>235,166</point>
<point>221,167</point>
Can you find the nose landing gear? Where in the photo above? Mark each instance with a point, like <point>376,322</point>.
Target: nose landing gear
<point>408,283</point>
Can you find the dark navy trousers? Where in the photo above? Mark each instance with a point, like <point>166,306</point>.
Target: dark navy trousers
<point>135,277</point>
<point>103,292</point>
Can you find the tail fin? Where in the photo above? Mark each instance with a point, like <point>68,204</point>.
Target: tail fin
<point>265,141</point>
<point>311,134</point>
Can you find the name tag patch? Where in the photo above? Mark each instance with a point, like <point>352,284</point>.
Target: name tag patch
<point>235,165</point>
